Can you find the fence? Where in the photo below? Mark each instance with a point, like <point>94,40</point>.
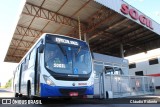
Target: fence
<point>114,86</point>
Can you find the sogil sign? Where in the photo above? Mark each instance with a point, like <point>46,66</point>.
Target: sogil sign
<point>134,14</point>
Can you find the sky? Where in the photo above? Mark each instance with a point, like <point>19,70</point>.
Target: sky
<point>10,12</point>
<point>9,15</point>
<point>148,7</point>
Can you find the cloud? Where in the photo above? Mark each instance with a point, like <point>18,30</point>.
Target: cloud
<point>157,13</point>
<point>139,0</point>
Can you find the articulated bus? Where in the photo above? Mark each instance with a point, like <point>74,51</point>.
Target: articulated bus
<point>55,66</point>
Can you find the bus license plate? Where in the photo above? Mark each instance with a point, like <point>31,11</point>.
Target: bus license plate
<point>73,94</point>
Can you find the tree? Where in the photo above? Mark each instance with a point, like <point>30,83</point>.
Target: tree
<point>9,83</point>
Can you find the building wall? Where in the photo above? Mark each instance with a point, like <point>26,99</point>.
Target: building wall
<point>148,70</point>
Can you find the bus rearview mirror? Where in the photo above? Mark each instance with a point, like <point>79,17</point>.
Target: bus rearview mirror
<point>92,55</point>
<point>41,48</point>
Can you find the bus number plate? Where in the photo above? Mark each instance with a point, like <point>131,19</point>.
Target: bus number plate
<point>73,94</point>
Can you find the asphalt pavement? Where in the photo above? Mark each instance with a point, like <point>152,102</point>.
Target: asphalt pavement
<point>6,93</point>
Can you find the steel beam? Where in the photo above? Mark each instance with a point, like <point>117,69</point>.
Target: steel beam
<point>31,9</point>
<point>127,30</point>
<point>140,37</point>
<point>16,43</point>
<point>101,16</point>
<point>83,27</point>
<point>19,47</point>
<point>107,29</point>
<point>18,52</point>
<point>117,41</point>
<point>149,40</point>
<point>10,58</point>
<point>103,36</point>
<point>118,24</point>
<point>128,42</point>
<point>149,44</point>
<point>54,15</point>
<point>80,9</point>
<point>20,30</point>
<point>24,43</point>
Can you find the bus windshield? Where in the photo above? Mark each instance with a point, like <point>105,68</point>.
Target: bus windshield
<point>67,59</point>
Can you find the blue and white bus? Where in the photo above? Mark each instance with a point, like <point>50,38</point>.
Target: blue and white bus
<point>55,66</point>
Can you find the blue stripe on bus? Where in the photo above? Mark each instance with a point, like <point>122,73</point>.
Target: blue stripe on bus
<point>53,91</point>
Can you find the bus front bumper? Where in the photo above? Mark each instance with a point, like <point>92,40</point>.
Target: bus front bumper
<point>60,91</point>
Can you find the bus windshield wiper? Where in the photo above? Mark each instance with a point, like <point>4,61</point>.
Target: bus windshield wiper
<point>79,49</point>
<point>62,50</point>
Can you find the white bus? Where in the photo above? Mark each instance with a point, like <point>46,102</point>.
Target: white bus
<point>56,66</point>
<point>147,67</point>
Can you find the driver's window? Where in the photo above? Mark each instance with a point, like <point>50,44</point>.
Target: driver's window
<point>109,70</point>
<point>117,71</point>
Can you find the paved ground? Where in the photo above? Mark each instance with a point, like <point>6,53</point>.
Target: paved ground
<point>5,92</point>
<point>76,102</point>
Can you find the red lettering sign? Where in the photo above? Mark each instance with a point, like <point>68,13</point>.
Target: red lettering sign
<point>135,15</point>
<point>143,19</point>
<point>124,9</point>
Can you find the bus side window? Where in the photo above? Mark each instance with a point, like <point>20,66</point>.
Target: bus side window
<point>32,58</point>
<point>16,77</point>
<point>29,55</point>
<point>98,69</point>
<point>26,62</point>
<point>23,66</point>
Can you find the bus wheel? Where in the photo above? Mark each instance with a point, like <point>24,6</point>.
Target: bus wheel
<point>15,94</point>
<point>20,95</point>
<point>29,90</point>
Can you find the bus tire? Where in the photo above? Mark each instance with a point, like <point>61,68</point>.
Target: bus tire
<point>15,94</point>
<point>107,95</point>
<point>20,95</point>
<point>29,96</point>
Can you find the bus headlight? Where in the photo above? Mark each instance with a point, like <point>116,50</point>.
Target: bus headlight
<point>90,83</point>
<point>48,80</point>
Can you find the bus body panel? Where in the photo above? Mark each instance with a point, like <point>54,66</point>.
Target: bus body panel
<point>55,91</point>
<point>16,81</point>
<point>39,87</point>
<point>28,75</point>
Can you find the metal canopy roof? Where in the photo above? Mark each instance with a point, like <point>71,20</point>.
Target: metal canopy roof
<point>104,28</point>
